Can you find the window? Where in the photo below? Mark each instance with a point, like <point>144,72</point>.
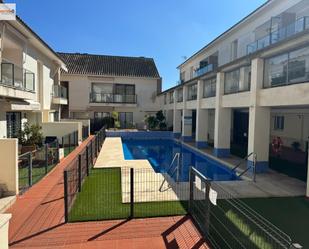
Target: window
<point>247,79</point>
<point>238,80</point>
<point>124,89</point>
<point>288,68</point>
<point>182,76</point>
<point>171,94</point>
<point>209,87</point>
<point>234,47</point>
<point>298,67</point>
<point>192,92</point>
<point>180,95</point>
<point>191,72</point>
<point>279,123</point>
<point>276,71</point>
<point>231,82</point>
<point>126,120</point>
<point>164,99</point>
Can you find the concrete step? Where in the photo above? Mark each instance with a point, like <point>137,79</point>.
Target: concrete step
<point>6,203</point>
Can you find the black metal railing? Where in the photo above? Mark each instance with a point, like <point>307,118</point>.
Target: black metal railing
<point>113,98</point>
<point>17,77</point>
<point>69,142</point>
<point>126,193</point>
<point>85,132</point>
<point>79,168</point>
<point>34,165</point>
<point>227,222</point>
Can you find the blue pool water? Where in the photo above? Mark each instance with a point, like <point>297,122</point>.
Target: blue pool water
<point>160,153</point>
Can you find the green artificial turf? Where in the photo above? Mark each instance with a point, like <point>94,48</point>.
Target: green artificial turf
<point>100,199</point>
<point>290,214</point>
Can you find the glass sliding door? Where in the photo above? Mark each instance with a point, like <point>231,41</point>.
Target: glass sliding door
<point>126,119</point>
<point>13,124</point>
<point>124,93</point>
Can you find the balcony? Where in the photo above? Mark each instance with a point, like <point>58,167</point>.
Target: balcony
<point>203,70</point>
<point>111,98</point>
<point>17,77</point>
<point>280,34</point>
<point>60,95</point>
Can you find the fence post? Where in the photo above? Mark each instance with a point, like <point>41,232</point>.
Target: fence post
<point>76,138</point>
<point>96,146</point>
<point>69,143</point>
<point>46,157</point>
<point>87,159</point>
<point>91,157</point>
<point>30,170</point>
<point>207,213</point>
<point>191,177</point>
<point>79,173</point>
<point>307,150</point>
<point>131,193</point>
<point>66,204</point>
<point>57,147</point>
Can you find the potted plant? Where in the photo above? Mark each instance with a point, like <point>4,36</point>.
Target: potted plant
<point>30,137</point>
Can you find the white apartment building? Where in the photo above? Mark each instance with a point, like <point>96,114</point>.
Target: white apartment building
<point>29,79</point>
<point>100,85</point>
<point>248,90</point>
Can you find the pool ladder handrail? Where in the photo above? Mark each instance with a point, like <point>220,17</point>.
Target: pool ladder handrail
<point>177,156</point>
<point>253,166</point>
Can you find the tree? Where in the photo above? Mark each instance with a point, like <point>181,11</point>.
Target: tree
<point>31,135</point>
<point>156,122</point>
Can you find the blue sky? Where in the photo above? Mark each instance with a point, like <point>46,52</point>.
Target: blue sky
<point>166,30</point>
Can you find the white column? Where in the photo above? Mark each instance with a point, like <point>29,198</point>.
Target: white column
<point>177,123</point>
<point>201,119</point>
<point>222,134</point>
<point>259,120</point>
<point>307,189</point>
<point>187,125</point>
<point>176,117</point>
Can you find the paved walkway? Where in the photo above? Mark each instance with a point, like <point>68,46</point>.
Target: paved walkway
<point>268,184</point>
<point>38,222</point>
<point>112,155</point>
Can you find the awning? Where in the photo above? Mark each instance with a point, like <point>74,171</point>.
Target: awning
<point>26,105</point>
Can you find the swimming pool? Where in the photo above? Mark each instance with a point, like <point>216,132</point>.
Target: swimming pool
<point>160,153</point>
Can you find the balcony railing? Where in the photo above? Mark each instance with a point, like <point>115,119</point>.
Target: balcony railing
<point>60,92</point>
<point>280,34</point>
<point>17,77</point>
<point>203,70</point>
<point>112,98</point>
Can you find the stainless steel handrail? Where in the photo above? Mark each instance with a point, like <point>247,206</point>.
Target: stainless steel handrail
<point>248,168</point>
<point>177,156</point>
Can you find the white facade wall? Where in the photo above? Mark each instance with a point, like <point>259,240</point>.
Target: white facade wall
<point>27,53</point>
<point>243,32</point>
<point>261,104</point>
<point>80,89</point>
